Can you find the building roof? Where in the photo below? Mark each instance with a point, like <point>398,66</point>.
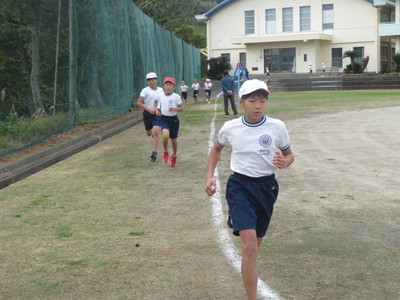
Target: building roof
<point>223,4</point>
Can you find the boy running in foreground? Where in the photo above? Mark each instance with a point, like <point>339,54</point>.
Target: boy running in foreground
<point>260,146</point>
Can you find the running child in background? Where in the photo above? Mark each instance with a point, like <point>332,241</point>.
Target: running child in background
<point>150,119</point>
<point>195,88</point>
<point>170,104</point>
<point>184,90</point>
<point>260,147</point>
<point>207,89</point>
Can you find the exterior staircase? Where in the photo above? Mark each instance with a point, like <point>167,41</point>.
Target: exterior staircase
<point>329,81</point>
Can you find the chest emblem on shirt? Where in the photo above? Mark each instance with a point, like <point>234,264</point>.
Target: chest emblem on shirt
<point>265,140</point>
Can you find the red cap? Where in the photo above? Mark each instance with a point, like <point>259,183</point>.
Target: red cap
<point>169,79</point>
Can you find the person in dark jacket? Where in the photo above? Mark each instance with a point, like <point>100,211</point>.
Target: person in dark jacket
<point>228,88</point>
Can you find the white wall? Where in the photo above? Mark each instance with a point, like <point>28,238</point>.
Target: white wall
<point>355,23</point>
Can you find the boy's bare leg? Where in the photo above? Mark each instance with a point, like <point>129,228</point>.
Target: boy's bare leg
<point>165,139</point>
<point>155,131</point>
<point>250,245</point>
<point>174,146</point>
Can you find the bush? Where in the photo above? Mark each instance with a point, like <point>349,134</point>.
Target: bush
<point>18,132</point>
<point>396,59</point>
<point>217,67</point>
<point>349,69</point>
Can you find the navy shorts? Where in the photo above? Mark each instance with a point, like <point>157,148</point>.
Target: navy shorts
<point>208,92</point>
<point>150,120</point>
<point>172,124</point>
<point>195,93</point>
<point>184,95</point>
<point>251,202</point>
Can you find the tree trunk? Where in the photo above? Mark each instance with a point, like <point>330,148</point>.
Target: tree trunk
<point>34,78</point>
<point>56,60</point>
<point>25,66</point>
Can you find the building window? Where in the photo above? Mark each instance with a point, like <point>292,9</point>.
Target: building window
<point>327,16</point>
<point>384,52</point>
<point>337,57</point>
<point>305,57</point>
<point>249,22</point>
<point>287,19</point>
<point>360,50</point>
<point>227,56</point>
<point>242,57</point>
<point>270,21</point>
<point>386,16</point>
<point>305,18</point>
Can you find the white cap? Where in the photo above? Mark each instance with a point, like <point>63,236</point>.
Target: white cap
<point>208,79</point>
<point>151,75</point>
<point>252,85</point>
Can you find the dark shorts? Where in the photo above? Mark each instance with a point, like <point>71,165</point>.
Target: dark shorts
<point>184,95</point>
<point>251,202</point>
<point>208,92</point>
<point>150,120</point>
<point>172,124</point>
<point>195,93</point>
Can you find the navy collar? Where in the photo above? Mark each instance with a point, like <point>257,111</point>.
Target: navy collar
<point>262,121</point>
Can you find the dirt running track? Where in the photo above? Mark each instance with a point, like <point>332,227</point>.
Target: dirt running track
<point>336,228</point>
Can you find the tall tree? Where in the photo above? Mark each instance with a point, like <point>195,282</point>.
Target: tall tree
<point>177,16</point>
<point>20,39</point>
<point>34,77</point>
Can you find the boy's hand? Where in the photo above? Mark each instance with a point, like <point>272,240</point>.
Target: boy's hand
<point>279,160</point>
<point>211,186</point>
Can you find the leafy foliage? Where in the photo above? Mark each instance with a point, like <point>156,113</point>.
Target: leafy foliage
<point>396,59</point>
<point>218,65</point>
<point>177,16</point>
<point>352,67</point>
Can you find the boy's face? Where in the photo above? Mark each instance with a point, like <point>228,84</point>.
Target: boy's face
<point>183,82</point>
<point>168,87</point>
<point>254,108</point>
<point>152,82</point>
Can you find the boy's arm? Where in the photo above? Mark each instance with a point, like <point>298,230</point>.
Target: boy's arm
<point>215,154</point>
<point>156,111</point>
<point>140,102</point>
<point>283,159</point>
<point>177,109</point>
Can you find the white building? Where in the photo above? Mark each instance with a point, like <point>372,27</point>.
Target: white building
<point>289,36</point>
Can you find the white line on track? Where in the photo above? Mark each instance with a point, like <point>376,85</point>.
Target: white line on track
<point>224,236</point>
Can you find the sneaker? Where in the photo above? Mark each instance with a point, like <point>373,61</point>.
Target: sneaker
<point>226,116</point>
<point>153,156</point>
<point>229,221</point>
<point>165,157</point>
<point>172,162</point>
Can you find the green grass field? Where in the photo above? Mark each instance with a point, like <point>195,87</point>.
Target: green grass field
<point>108,224</point>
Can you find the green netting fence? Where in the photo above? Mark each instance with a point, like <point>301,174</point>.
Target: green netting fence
<point>64,63</point>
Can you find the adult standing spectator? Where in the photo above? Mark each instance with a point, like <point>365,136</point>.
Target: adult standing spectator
<point>228,88</point>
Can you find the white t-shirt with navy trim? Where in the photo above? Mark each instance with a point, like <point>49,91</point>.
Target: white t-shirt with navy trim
<point>149,95</point>
<point>166,101</point>
<point>254,144</point>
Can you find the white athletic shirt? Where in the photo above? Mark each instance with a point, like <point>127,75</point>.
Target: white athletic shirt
<point>195,86</point>
<point>166,101</point>
<point>149,95</point>
<point>254,144</point>
<point>207,85</point>
<point>184,88</point>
